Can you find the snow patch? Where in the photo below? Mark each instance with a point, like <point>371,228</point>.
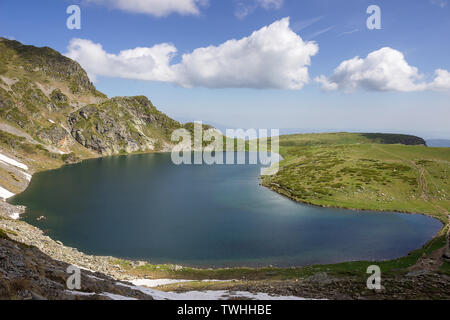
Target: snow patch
<point>116,296</point>
<point>13,162</point>
<point>156,283</point>
<point>5,194</point>
<point>26,175</point>
<point>15,215</point>
<point>207,295</point>
<point>83,268</point>
<point>153,283</point>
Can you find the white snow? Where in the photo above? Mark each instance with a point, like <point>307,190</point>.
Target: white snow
<point>153,283</point>
<point>207,295</point>
<point>15,215</point>
<point>13,162</point>
<point>5,194</point>
<point>190,296</point>
<point>116,296</point>
<point>26,175</point>
<point>83,268</point>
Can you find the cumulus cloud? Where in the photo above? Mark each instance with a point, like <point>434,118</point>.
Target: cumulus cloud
<point>158,8</point>
<point>150,64</point>
<point>246,7</point>
<point>382,70</point>
<point>441,81</point>
<point>272,57</point>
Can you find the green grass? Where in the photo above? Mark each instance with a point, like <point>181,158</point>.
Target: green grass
<point>342,173</point>
<point>356,171</point>
<point>349,171</point>
<point>356,268</point>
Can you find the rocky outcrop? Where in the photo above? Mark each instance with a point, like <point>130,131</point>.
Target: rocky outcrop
<point>122,125</point>
<point>26,273</point>
<point>59,100</point>
<point>54,135</point>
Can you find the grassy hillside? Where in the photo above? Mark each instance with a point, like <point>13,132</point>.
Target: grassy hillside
<point>359,171</point>
<point>298,140</point>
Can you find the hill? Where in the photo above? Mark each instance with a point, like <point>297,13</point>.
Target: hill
<point>364,171</point>
<point>51,114</point>
<point>348,138</point>
<point>50,97</point>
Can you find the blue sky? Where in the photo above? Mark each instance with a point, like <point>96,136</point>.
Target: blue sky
<point>271,94</point>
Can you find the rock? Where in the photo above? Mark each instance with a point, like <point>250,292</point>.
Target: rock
<point>121,125</point>
<point>54,135</point>
<point>321,277</point>
<point>178,268</point>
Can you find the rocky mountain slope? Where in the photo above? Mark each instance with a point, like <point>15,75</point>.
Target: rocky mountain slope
<point>50,98</point>
<point>26,273</point>
<point>51,114</point>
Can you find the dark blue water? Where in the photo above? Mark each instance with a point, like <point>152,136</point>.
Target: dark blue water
<point>144,207</point>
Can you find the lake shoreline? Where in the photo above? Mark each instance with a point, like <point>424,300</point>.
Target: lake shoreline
<point>444,226</point>
<point>284,194</point>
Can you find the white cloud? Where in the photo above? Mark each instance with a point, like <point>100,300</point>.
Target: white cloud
<point>441,81</point>
<point>150,64</point>
<point>326,84</point>
<point>246,7</point>
<point>272,57</point>
<point>382,70</point>
<point>158,8</point>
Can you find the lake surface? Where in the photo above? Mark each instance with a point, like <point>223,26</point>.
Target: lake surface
<point>145,207</point>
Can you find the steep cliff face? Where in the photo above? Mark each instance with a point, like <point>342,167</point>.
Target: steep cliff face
<point>50,98</point>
